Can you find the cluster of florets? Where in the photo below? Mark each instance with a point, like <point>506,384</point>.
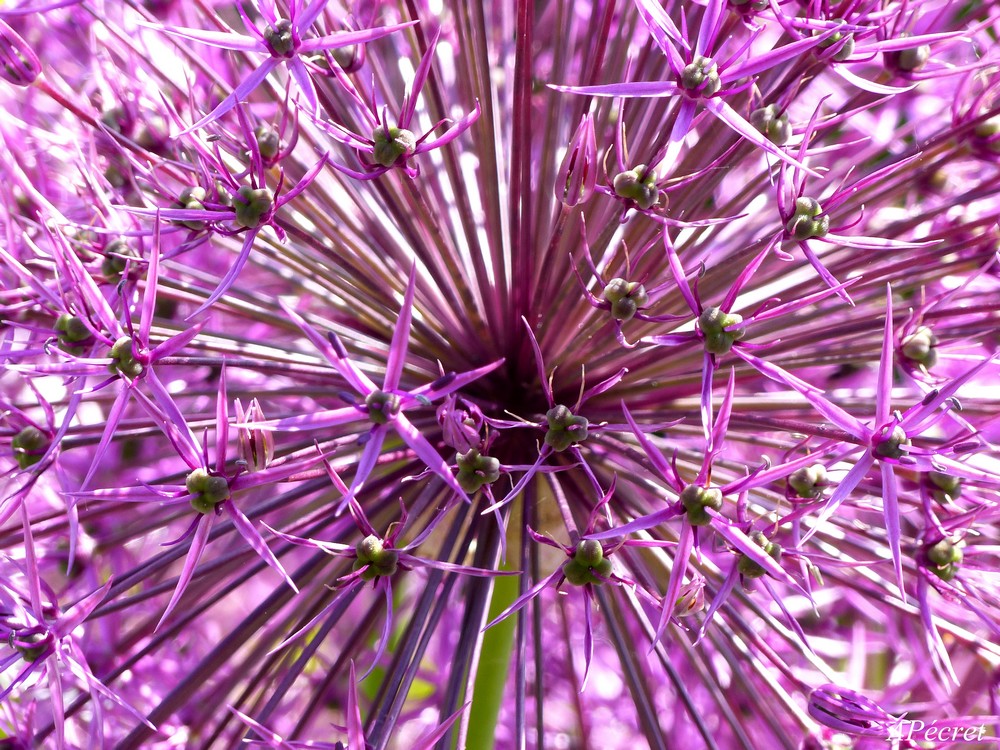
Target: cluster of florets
<point>413,239</point>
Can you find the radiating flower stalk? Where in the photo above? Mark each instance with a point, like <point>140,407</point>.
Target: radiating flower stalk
<point>508,374</point>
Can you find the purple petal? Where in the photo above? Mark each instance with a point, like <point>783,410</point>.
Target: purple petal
<point>198,543</point>
<point>221,39</point>
<point>633,89</point>
<point>400,337</point>
<point>350,38</point>
<point>249,533</point>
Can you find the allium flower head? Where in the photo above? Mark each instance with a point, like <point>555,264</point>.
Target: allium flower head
<point>506,374</point>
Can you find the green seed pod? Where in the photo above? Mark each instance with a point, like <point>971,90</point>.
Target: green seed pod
<point>382,406</point>
<point>845,40</point>
<point>772,123</point>
<point>626,297</point>
<point>944,487</point>
<point>268,142</point>
<point>919,347</point>
<point>370,548</point>
<point>116,254</point>
<point>943,558</point>
<point>907,60</point>
<point>580,574</point>
<point>208,489</point>
<point>380,561</point>
<point>696,500</point>
<point>637,185</point>
<point>893,446</point>
<point>392,144</point>
<point>73,333</point>
<point>713,323</point>
<point>808,220</point>
<point>589,552</point>
<point>701,76</point>
<point>476,470</point>
<point>745,6</point>
<point>123,359</point>
<point>191,199</point>
<point>809,481</point>
<point>752,569</point>
<point>29,445</point>
<point>253,207</point>
<point>33,645</point>
<point>565,428</point>
<point>279,38</point>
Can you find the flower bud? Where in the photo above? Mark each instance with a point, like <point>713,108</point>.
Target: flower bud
<point>637,185</point>
<point>123,359</point>
<point>713,323</point>
<point>252,207</point>
<point>382,406</point>
<point>691,599</point>
<point>701,77</point>
<point>577,175</point>
<point>772,123</point>
<point>809,481</point>
<point>696,500</point>
<point>208,489</point>
<point>256,446</point>
<point>392,144</point>
<point>459,427</point>
<point>29,445</point>
<point>565,428</point>
<point>18,62</point>
<point>808,220</point>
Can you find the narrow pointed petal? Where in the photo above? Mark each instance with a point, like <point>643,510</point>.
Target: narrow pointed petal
<point>239,93</point>
<point>884,390</point>
<point>350,38</point>
<point>890,513</point>
<point>249,533</point>
<point>734,120</point>
<point>427,454</point>
<point>684,546</point>
<point>198,544</point>
<point>637,89</point>
<point>230,278</point>
<point>400,337</point>
<point>220,39</point>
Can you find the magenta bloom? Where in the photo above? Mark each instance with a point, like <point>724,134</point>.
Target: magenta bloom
<point>499,375</point>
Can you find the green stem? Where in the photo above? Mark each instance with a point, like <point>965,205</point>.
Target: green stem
<point>494,664</point>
